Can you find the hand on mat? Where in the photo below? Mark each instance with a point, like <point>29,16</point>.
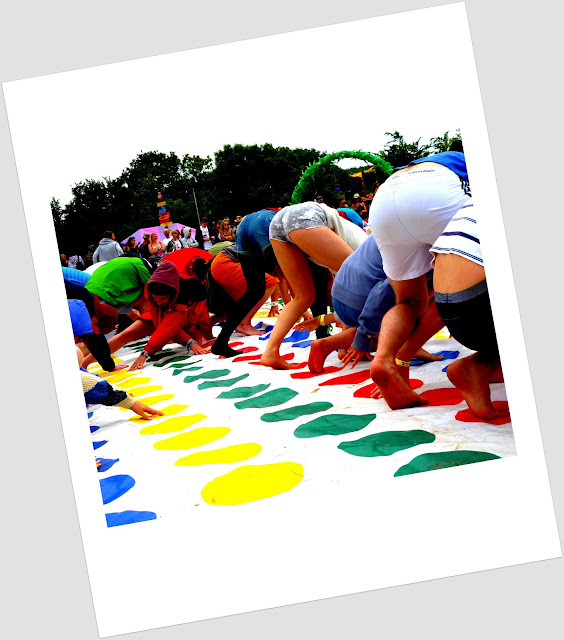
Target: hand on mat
<point>138,364</point>
<point>307,325</point>
<point>197,350</point>
<point>274,311</point>
<point>355,356</point>
<point>376,393</point>
<point>119,367</point>
<point>142,410</point>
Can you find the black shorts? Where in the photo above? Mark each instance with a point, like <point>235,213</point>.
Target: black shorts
<point>468,316</point>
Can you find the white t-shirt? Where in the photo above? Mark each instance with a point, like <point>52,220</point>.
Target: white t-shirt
<point>206,234</point>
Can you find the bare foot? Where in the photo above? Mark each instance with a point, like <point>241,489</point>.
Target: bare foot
<point>249,330</point>
<point>471,376</point>
<point>318,352</point>
<point>395,391</point>
<point>403,372</point>
<point>277,362</point>
<point>425,355</point>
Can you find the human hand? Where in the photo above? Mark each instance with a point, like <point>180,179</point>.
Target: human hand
<point>134,315</point>
<point>142,410</point>
<point>308,315</point>
<point>274,311</point>
<point>354,355</point>
<point>307,325</point>
<point>138,364</point>
<point>376,393</point>
<point>119,367</point>
<point>197,350</point>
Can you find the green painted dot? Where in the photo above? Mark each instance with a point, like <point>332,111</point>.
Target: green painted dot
<point>159,356</point>
<point>138,343</point>
<point>386,443</point>
<point>183,364</point>
<point>177,372</point>
<point>268,399</point>
<point>208,375</point>
<point>333,425</point>
<point>443,460</point>
<point>291,413</point>
<point>170,360</point>
<point>244,392</point>
<point>228,382</point>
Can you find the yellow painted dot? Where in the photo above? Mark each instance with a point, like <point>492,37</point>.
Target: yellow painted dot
<point>153,400</point>
<point>116,376</point>
<point>443,334</point>
<point>195,438</point>
<point>253,482</point>
<point>236,453</point>
<point>143,390</point>
<point>133,382</point>
<point>173,424</point>
<point>171,410</point>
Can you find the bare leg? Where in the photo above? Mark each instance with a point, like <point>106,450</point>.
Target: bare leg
<point>397,326</point>
<point>246,328</point>
<point>295,266</point>
<point>320,349</point>
<point>325,247</point>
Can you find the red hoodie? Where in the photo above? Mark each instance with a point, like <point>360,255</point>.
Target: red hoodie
<point>169,320</point>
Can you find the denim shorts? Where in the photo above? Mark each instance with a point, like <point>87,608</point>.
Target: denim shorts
<point>306,215</point>
<point>253,231</point>
<point>347,315</point>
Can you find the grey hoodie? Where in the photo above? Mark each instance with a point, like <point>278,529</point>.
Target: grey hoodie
<point>107,249</point>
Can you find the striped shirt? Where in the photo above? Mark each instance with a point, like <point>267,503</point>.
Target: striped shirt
<point>461,236</point>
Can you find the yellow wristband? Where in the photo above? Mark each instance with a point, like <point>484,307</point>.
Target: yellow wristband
<point>402,363</point>
<point>321,320</point>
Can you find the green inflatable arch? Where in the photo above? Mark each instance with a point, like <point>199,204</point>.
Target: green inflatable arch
<point>312,169</point>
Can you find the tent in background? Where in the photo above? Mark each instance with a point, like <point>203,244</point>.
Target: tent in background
<point>138,235</point>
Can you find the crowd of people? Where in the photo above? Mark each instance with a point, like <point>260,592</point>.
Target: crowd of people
<point>389,277</point>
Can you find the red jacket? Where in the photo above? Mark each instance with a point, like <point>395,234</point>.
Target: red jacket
<point>168,320</point>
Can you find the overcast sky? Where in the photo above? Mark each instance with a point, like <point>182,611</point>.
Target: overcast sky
<point>331,88</point>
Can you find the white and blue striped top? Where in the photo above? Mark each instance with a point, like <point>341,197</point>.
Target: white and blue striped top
<point>461,236</point>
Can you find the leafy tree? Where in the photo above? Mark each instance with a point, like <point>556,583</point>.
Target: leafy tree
<point>398,152</point>
<point>446,143</point>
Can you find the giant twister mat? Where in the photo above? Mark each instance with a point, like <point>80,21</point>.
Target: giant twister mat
<point>235,432</point>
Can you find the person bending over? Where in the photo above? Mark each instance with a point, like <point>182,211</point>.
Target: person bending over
<point>299,233</point>
<point>463,303</point>
<point>408,213</point>
<point>246,282</point>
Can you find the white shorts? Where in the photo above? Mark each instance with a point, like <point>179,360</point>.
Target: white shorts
<point>409,212</point>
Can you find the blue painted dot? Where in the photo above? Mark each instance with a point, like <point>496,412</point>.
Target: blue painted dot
<point>296,336</point>
<point>93,428</point>
<point>303,344</point>
<point>267,328</point>
<point>115,486</point>
<point>99,444</point>
<point>107,463</point>
<point>90,414</point>
<point>129,517</point>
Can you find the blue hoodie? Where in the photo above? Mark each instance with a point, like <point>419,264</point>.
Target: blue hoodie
<point>362,285</point>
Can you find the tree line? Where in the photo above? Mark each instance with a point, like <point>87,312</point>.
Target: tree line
<point>238,180</point>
